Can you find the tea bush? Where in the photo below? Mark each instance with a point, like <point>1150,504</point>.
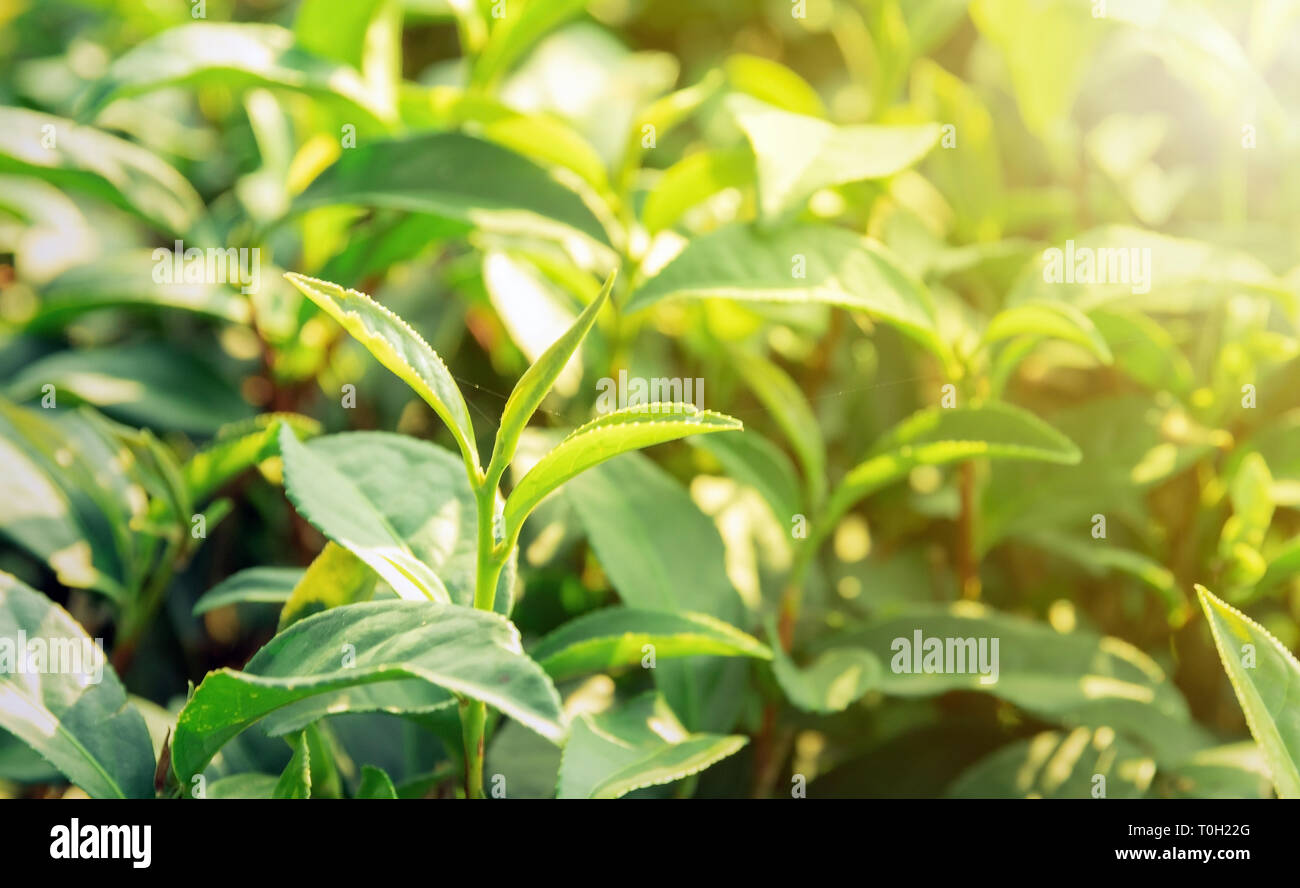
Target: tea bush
<point>876,390</point>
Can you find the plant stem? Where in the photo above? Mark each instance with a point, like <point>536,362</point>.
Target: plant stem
<point>473,718</point>
<point>967,571</point>
<point>491,558</point>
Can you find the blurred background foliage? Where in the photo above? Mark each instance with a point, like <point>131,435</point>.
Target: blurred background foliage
<point>964,137</point>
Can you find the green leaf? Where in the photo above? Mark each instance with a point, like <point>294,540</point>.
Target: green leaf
<point>1056,320</point>
<point>462,178</point>
<point>774,83</point>
<point>242,786</point>
<point>631,428</point>
<point>82,158</point>
<point>375,784</point>
<point>403,351</point>
<point>238,447</point>
<point>831,682</point>
<point>638,745</point>
<point>536,383</point>
<point>1069,678</point>
<point>635,514</point>
<point>692,180</point>
<point>938,436</point>
<point>1056,765</point>
<point>749,458</point>
<point>797,155</point>
<point>295,781</point>
<point>75,714</point>
<point>334,504</point>
<point>467,652</point>
<point>421,492</point>
<point>1048,47</point>
<point>518,32</point>
<point>147,383</point>
<point>615,636</point>
<point>117,280</point>
<point>334,578</point>
<point>797,263</point>
<point>239,55</point>
<point>783,399</point>
<point>255,585</point>
<point>1144,350</point>
<point>1266,678</point>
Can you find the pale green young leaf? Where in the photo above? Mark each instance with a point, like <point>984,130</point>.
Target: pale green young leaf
<point>536,383</point>
<point>334,578</point>
<point>238,447</point>
<point>403,351</point>
<point>526,22</point>
<point>773,83</point>
<point>79,721</point>
<point>631,428</point>
<point>1266,679</point>
<point>1055,320</point>
<point>797,155</point>
<point>613,637</point>
<point>467,652</point>
<point>692,180</point>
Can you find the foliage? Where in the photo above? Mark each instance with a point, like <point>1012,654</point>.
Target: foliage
<point>319,321</point>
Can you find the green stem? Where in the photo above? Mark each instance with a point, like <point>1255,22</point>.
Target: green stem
<point>491,559</point>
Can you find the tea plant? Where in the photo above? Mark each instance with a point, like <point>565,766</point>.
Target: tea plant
<point>1005,292</point>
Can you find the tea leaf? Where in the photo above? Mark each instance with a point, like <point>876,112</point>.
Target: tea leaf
<point>82,158</point>
<point>1056,765</point>
<point>342,511</point>
<point>375,784</point>
<point>1264,676</point>
<point>243,55</point>
<point>518,32</point>
<point>798,155</point>
<point>798,263</point>
<point>749,458</point>
<point>631,428</point>
<point>937,436</point>
<point>638,745</point>
<point>295,782</point>
<point>1047,319</point>
<point>784,400</point>
<point>831,682</point>
<point>84,727</point>
<point>462,178</point>
<point>617,636</point>
<point>537,381</point>
<point>334,578</point>
<point>401,350</point>
<point>692,180</point>
<point>466,652</point>
<point>254,585</point>
<point>773,83</point>
<point>1069,678</point>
